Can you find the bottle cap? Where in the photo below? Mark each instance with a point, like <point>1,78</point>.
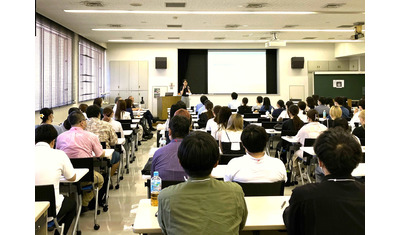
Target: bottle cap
<point>155,173</point>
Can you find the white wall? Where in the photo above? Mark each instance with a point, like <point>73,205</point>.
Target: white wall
<point>163,77</point>
<point>349,49</point>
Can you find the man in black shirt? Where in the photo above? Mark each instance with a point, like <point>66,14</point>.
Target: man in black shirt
<point>337,204</point>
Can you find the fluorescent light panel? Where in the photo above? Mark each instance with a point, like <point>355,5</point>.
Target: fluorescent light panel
<point>228,30</point>
<point>231,41</point>
<point>196,12</point>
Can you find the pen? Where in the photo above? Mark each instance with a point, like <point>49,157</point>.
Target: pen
<point>283,204</point>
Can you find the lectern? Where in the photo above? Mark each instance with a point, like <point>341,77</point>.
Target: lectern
<point>163,103</point>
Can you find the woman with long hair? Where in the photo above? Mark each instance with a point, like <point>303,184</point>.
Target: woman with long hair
<point>120,113</point>
<point>233,132</point>
<point>267,106</point>
<point>222,120</point>
<point>206,114</point>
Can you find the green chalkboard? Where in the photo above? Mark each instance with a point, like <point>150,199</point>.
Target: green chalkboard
<point>354,85</point>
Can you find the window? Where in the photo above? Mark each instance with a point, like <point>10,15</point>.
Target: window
<point>91,70</point>
<point>53,78</point>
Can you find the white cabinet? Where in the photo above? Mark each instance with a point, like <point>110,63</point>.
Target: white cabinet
<point>353,65</point>
<point>317,66</point>
<point>338,65</point>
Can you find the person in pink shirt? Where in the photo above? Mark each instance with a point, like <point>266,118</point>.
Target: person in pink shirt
<point>78,143</point>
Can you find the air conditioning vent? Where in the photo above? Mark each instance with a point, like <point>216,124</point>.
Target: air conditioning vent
<point>174,25</point>
<point>232,26</point>
<point>136,4</point>
<point>334,5</point>
<point>256,5</point>
<point>309,38</point>
<point>219,38</point>
<point>288,26</point>
<point>92,3</point>
<point>175,4</point>
<point>127,38</point>
<point>115,25</point>
<point>345,26</point>
<point>174,38</point>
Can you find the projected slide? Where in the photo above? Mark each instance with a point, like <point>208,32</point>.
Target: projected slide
<point>242,71</point>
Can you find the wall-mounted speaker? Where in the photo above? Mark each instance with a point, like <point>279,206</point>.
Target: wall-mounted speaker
<point>161,62</point>
<point>297,62</point>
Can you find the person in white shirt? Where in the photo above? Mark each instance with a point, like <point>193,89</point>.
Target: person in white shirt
<point>212,125</point>
<point>50,165</point>
<point>302,112</point>
<point>309,131</point>
<point>121,114</point>
<point>222,120</point>
<point>232,133</point>
<point>258,106</point>
<point>234,104</point>
<point>357,111</point>
<point>256,165</point>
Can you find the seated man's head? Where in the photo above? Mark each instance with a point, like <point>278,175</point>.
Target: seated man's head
<point>337,151</point>
<point>254,139</point>
<point>179,127</point>
<point>93,111</point>
<point>234,95</point>
<point>46,133</point>
<point>198,154</point>
<point>76,119</point>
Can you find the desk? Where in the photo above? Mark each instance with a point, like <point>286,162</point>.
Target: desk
<point>135,121</point>
<point>41,217</point>
<point>290,139</point>
<point>256,123</point>
<point>310,150</point>
<point>73,188</point>
<point>264,213</point>
<point>108,153</point>
<point>250,119</point>
<point>121,141</point>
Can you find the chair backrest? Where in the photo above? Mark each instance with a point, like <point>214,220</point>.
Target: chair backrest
<point>262,112</point>
<point>225,158</point>
<point>288,133</point>
<point>103,145</point>
<point>126,124</point>
<point>233,110</point>
<point>226,148</point>
<point>164,184</point>
<point>308,142</point>
<point>263,189</point>
<point>264,119</point>
<point>251,115</point>
<point>46,193</point>
<point>84,163</point>
<point>118,134</point>
<point>269,125</point>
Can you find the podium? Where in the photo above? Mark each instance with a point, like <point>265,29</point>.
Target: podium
<point>163,103</point>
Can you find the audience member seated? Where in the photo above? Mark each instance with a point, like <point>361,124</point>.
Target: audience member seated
<point>117,126</point>
<point>165,159</point>
<point>232,133</point>
<point>99,102</point>
<point>284,114</point>
<point>267,107</point>
<point>206,114</point>
<point>322,106</point>
<point>346,105</point>
<point>339,102</point>
<point>337,204</point>
<point>200,107</point>
<point>79,143</point>
<point>256,165</point>
<point>222,120</point>
<point>302,111</point>
<point>234,104</point>
<point>330,102</point>
<point>105,132</point>
<point>122,114</point>
<point>129,105</point>
<point>310,103</point>
<point>202,204</point>
<point>50,165</point>
<point>280,106</point>
<point>82,108</point>
<point>116,103</point>
<point>334,112</point>
<point>66,126</point>
<point>311,130</point>
<point>47,117</point>
<point>258,105</point>
<point>212,125</point>
<point>147,115</point>
<point>357,111</point>
<point>360,131</point>
<point>242,109</point>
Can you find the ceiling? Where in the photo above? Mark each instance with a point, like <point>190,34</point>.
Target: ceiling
<point>208,20</point>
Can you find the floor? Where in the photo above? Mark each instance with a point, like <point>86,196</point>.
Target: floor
<point>123,202</point>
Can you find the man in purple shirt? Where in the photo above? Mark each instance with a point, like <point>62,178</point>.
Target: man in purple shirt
<point>165,160</point>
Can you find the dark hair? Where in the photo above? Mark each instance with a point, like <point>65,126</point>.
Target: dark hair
<point>315,97</point>
<point>339,100</point>
<point>181,104</point>
<point>66,123</point>
<point>216,110</point>
<point>121,106</point>
<point>45,133</point>
<point>330,102</point>
<point>107,111</point>
<point>172,110</point>
<point>254,138</point>
<point>46,113</point>
<point>341,123</point>
<point>310,102</point>
<point>234,95</point>
<point>281,104</point>
<point>259,99</point>
<point>223,116</point>
<point>313,115</point>
<point>116,99</point>
<point>322,100</point>
<point>179,126</point>
<point>245,101</point>
<point>83,107</point>
<point>209,106</point>
<point>98,101</point>
<point>75,118</point>
<point>288,103</point>
<point>198,154</point>
<point>338,150</point>
<point>302,105</point>
<point>93,111</point>
<point>266,103</point>
<point>297,122</point>
<point>129,103</point>
<point>361,103</point>
<point>203,99</point>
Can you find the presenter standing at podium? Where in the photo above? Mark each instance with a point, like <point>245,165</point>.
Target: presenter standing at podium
<point>185,92</point>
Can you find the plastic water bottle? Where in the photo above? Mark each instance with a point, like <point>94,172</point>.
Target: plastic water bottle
<point>324,114</point>
<point>163,141</point>
<point>155,188</point>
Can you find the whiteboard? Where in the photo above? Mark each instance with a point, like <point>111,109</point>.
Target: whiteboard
<point>240,71</point>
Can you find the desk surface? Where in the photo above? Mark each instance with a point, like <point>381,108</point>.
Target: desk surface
<point>121,141</point>
<point>273,131</point>
<point>80,172</point>
<point>128,132</point>
<point>108,153</point>
<point>290,139</point>
<point>264,213</point>
<point>250,119</point>
<point>310,150</point>
<point>40,208</point>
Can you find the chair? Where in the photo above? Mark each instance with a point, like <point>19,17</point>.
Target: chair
<point>269,125</point>
<point>46,193</point>
<point>227,148</point>
<point>89,177</point>
<point>251,115</point>
<point>130,143</point>
<point>225,158</point>
<point>164,184</point>
<point>307,160</point>
<point>263,189</point>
